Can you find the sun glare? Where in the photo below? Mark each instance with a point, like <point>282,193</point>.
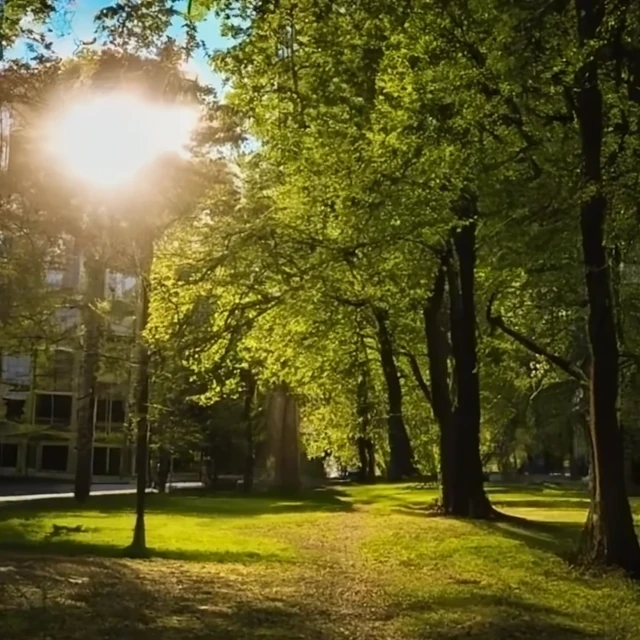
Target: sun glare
<point>107,140</point>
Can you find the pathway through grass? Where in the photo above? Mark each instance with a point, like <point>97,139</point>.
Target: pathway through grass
<point>363,562</point>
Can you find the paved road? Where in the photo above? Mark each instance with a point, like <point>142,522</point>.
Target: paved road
<point>18,491</point>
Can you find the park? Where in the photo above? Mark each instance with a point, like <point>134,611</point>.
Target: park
<point>340,562</point>
<point>319,319</point>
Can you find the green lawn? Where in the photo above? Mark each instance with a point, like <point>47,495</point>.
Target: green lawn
<point>360,562</point>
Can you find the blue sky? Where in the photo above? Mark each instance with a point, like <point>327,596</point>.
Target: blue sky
<point>76,26</point>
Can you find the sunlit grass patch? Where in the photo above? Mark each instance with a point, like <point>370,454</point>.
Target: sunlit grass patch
<point>351,562</point>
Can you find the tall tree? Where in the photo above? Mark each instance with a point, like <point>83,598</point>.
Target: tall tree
<point>610,530</point>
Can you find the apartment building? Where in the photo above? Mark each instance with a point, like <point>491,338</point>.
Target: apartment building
<point>39,390</point>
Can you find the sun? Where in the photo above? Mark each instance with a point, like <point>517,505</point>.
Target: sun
<point>106,140</point>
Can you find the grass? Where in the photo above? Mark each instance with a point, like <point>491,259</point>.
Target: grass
<point>354,563</point>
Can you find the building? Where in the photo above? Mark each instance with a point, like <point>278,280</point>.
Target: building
<point>39,389</point>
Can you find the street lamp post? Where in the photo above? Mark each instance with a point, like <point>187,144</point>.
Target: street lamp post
<point>108,140</point>
<point>141,392</point>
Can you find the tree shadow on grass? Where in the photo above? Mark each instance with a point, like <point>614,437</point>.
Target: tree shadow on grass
<point>78,548</point>
<point>574,490</point>
<point>233,504</point>
<point>15,538</point>
<point>581,503</point>
<point>558,538</point>
<point>488,617</point>
<point>197,503</point>
<point>74,599</point>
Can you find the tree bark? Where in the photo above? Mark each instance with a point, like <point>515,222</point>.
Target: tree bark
<point>141,400</point>
<point>371,458</point>
<point>164,468</point>
<point>366,448</point>
<point>250,390</point>
<point>438,349</point>
<point>282,418</point>
<point>469,498</point>
<point>401,462</point>
<point>609,536</point>
<point>94,292</point>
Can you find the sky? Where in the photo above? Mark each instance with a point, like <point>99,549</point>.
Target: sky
<point>76,26</point>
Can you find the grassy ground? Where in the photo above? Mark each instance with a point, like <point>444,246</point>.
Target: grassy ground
<point>356,563</point>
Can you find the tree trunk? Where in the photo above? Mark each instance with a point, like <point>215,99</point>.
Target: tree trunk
<point>371,456</point>
<point>164,468</point>
<point>94,292</point>
<point>366,448</point>
<point>282,419</point>
<point>212,471</point>
<point>609,537</point>
<point>401,463</point>
<point>469,497</point>
<point>250,391</point>
<point>141,402</point>
<point>438,349</point>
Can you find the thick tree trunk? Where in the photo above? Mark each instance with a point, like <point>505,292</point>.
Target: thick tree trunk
<point>141,402</point>
<point>94,292</point>
<point>283,427</point>
<point>438,349</point>
<point>609,537</point>
<point>469,497</point>
<point>401,463</point>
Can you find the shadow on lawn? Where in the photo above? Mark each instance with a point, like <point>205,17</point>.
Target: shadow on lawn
<point>205,504</point>
<point>558,538</point>
<point>490,617</point>
<point>565,490</point>
<point>73,599</point>
<point>581,503</point>
<point>16,534</point>
<point>15,538</point>
<point>78,548</point>
<point>197,503</point>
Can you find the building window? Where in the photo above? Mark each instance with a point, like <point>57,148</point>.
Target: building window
<point>56,373</point>
<point>110,407</point>
<point>100,461</point>
<point>53,409</point>
<point>106,461</point>
<point>8,455</point>
<point>54,457</point>
<point>119,286</point>
<point>32,455</point>
<point>63,265</point>
<point>16,370</point>
<point>115,457</point>
<point>14,402</point>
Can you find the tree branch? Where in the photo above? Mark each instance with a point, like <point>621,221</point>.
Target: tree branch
<point>417,374</point>
<point>496,321</point>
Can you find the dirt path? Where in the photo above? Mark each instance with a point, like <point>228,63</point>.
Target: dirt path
<point>327,592</point>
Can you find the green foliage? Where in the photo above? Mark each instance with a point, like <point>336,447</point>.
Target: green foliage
<point>369,120</point>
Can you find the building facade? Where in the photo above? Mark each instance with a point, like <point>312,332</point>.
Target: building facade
<point>39,388</point>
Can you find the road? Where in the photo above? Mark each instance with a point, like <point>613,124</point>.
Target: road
<point>12,491</point>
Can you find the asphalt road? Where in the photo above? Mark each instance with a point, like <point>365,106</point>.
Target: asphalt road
<point>16,491</point>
